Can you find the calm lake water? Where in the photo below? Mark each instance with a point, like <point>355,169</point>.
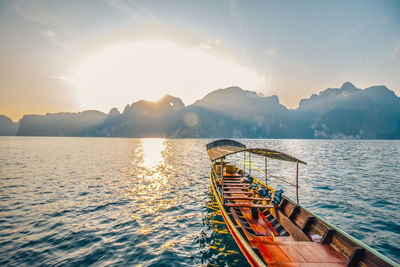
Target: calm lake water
<point>146,202</point>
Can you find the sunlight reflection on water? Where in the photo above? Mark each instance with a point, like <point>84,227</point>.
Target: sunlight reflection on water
<point>152,149</point>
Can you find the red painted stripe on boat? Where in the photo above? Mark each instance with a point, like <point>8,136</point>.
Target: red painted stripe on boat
<point>266,253</point>
<point>268,223</point>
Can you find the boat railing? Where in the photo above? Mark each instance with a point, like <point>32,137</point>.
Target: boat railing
<point>270,175</point>
<point>215,173</point>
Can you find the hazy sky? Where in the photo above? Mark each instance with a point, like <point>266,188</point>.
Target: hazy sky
<point>77,55</point>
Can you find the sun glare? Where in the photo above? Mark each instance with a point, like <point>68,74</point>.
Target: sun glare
<point>118,74</point>
<point>152,149</point>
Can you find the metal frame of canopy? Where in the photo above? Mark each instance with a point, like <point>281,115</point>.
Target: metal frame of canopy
<point>219,149</point>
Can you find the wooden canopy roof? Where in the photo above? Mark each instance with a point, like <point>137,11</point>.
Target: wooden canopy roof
<point>224,147</point>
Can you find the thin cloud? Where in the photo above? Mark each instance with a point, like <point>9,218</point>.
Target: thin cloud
<point>352,30</point>
<point>32,13</point>
<point>395,51</point>
<point>63,77</point>
<point>273,52</point>
<point>210,44</point>
<point>59,30</point>
<point>126,9</point>
<point>235,15</point>
<point>54,37</point>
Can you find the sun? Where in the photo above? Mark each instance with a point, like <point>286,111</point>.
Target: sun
<point>121,73</point>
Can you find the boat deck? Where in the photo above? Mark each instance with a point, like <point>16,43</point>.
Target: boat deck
<point>295,249</point>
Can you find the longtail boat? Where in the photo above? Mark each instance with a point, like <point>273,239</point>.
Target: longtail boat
<point>271,229</point>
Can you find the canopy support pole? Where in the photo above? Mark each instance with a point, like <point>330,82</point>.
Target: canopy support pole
<point>266,170</point>
<point>297,182</point>
<point>244,161</point>
<point>249,164</point>
<point>222,178</point>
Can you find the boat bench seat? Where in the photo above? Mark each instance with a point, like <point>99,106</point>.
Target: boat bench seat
<point>235,187</point>
<point>247,198</point>
<point>237,192</point>
<point>248,205</point>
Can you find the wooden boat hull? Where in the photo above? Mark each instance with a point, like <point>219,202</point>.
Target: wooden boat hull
<point>345,250</point>
<point>272,230</point>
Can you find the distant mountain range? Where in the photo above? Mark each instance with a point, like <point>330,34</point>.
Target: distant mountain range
<point>335,113</point>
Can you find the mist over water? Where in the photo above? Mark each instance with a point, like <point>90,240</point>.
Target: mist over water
<point>81,201</point>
